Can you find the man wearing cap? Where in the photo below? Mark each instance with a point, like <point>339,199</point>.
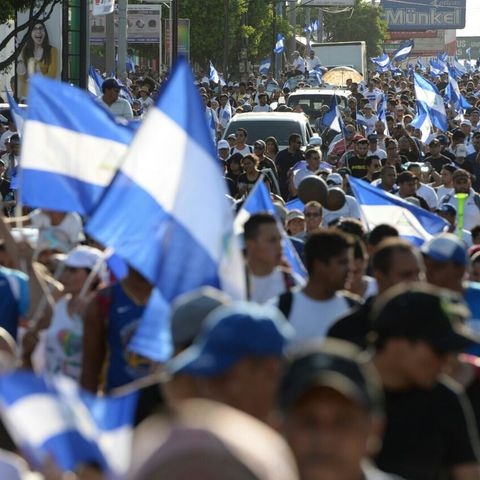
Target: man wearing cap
<point>462,184</point>
<point>372,94</point>
<point>312,61</point>
<point>466,128</point>
<point>223,150</point>
<point>264,162</point>
<point>369,118</point>
<point>298,63</point>
<point>435,157</point>
<point>449,213</point>
<point>295,222</point>
<point>446,262</point>
<point>237,357</point>
<point>373,146</point>
<point>189,312</point>
<point>461,154</point>
<point>145,98</point>
<point>430,432</point>
<point>331,406</point>
<point>113,102</point>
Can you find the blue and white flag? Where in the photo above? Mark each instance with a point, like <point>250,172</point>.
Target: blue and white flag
<point>69,155</point>
<point>315,25</point>
<point>423,123</point>
<point>18,115</point>
<point>315,76</point>
<point>382,61</point>
<point>361,120</point>
<point>183,238</point>
<point>382,109</point>
<point>279,46</point>
<point>453,95</point>
<point>333,118</point>
<point>432,102</point>
<point>213,75</point>
<point>53,418</point>
<point>442,56</point>
<point>437,68</point>
<point>403,51</point>
<point>227,112</point>
<point>421,66</point>
<point>468,51</point>
<point>258,201</point>
<point>458,68</point>
<point>264,66</point>
<point>379,207</point>
<point>94,84</point>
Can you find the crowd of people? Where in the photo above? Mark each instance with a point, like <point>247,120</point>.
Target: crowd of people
<point>364,368</point>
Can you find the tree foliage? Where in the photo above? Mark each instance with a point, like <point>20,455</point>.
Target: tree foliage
<point>362,23</point>
<point>250,27</point>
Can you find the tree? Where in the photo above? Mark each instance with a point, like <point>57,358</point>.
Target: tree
<point>37,9</point>
<point>363,22</point>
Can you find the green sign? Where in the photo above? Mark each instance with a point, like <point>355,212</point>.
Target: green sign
<point>468,42</point>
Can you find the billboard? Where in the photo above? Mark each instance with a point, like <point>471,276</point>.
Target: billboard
<point>468,42</point>
<point>42,52</point>
<point>143,25</point>
<point>424,15</point>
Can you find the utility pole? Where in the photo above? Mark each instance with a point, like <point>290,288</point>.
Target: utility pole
<point>174,32</point>
<point>292,20</point>
<point>109,44</point>
<point>225,40</point>
<point>122,39</point>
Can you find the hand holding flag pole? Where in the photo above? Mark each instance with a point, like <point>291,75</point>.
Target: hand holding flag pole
<point>461,197</point>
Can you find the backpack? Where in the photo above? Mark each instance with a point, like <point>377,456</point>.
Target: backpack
<point>285,302</point>
<point>476,199</point>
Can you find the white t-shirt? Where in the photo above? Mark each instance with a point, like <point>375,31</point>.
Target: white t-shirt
<point>262,108</point>
<point>428,194</point>
<point>350,209</point>
<point>300,174</point>
<point>262,289</point>
<point>311,63</point>
<point>63,342</point>
<point>471,213</point>
<point>71,225</point>
<point>380,153</point>
<point>299,64</point>
<point>311,318</point>
<point>373,97</point>
<point>119,108</point>
<point>370,128</point>
<point>442,191</point>
<point>246,150</point>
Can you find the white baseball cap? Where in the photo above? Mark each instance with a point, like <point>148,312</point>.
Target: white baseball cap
<point>82,257</point>
<point>222,144</point>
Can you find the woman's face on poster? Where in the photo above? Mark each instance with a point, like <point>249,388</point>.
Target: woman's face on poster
<point>38,34</point>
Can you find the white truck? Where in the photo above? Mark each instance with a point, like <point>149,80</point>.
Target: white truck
<point>346,54</point>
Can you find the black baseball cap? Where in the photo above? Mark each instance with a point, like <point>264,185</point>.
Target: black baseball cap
<point>405,176</point>
<point>423,312</point>
<point>335,364</point>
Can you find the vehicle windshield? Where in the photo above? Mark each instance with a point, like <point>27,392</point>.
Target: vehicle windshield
<point>261,129</point>
<point>311,104</point>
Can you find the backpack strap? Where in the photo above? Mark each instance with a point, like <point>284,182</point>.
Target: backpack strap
<point>285,301</point>
<point>351,299</point>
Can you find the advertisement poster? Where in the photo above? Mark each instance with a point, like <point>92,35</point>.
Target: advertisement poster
<point>42,52</point>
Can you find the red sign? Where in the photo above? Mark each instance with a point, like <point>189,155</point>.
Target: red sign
<point>407,35</point>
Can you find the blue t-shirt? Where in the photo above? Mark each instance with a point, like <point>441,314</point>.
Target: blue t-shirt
<point>14,299</point>
<point>472,298</point>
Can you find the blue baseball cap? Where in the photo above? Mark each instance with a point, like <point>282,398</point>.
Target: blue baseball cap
<point>231,333</point>
<point>446,248</point>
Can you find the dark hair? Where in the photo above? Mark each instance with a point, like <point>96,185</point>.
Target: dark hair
<point>310,152</point>
<point>383,255</point>
<point>369,159</point>
<point>240,129</point>
<point>253,224</point>
<point>352,226</point>
<point>381,232</point>
<point>29,47</point>
<point>294,136</point>
<point>323,246</point>
<point>475,231</point>
<point>359,249</point>
<point>252,157</point>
